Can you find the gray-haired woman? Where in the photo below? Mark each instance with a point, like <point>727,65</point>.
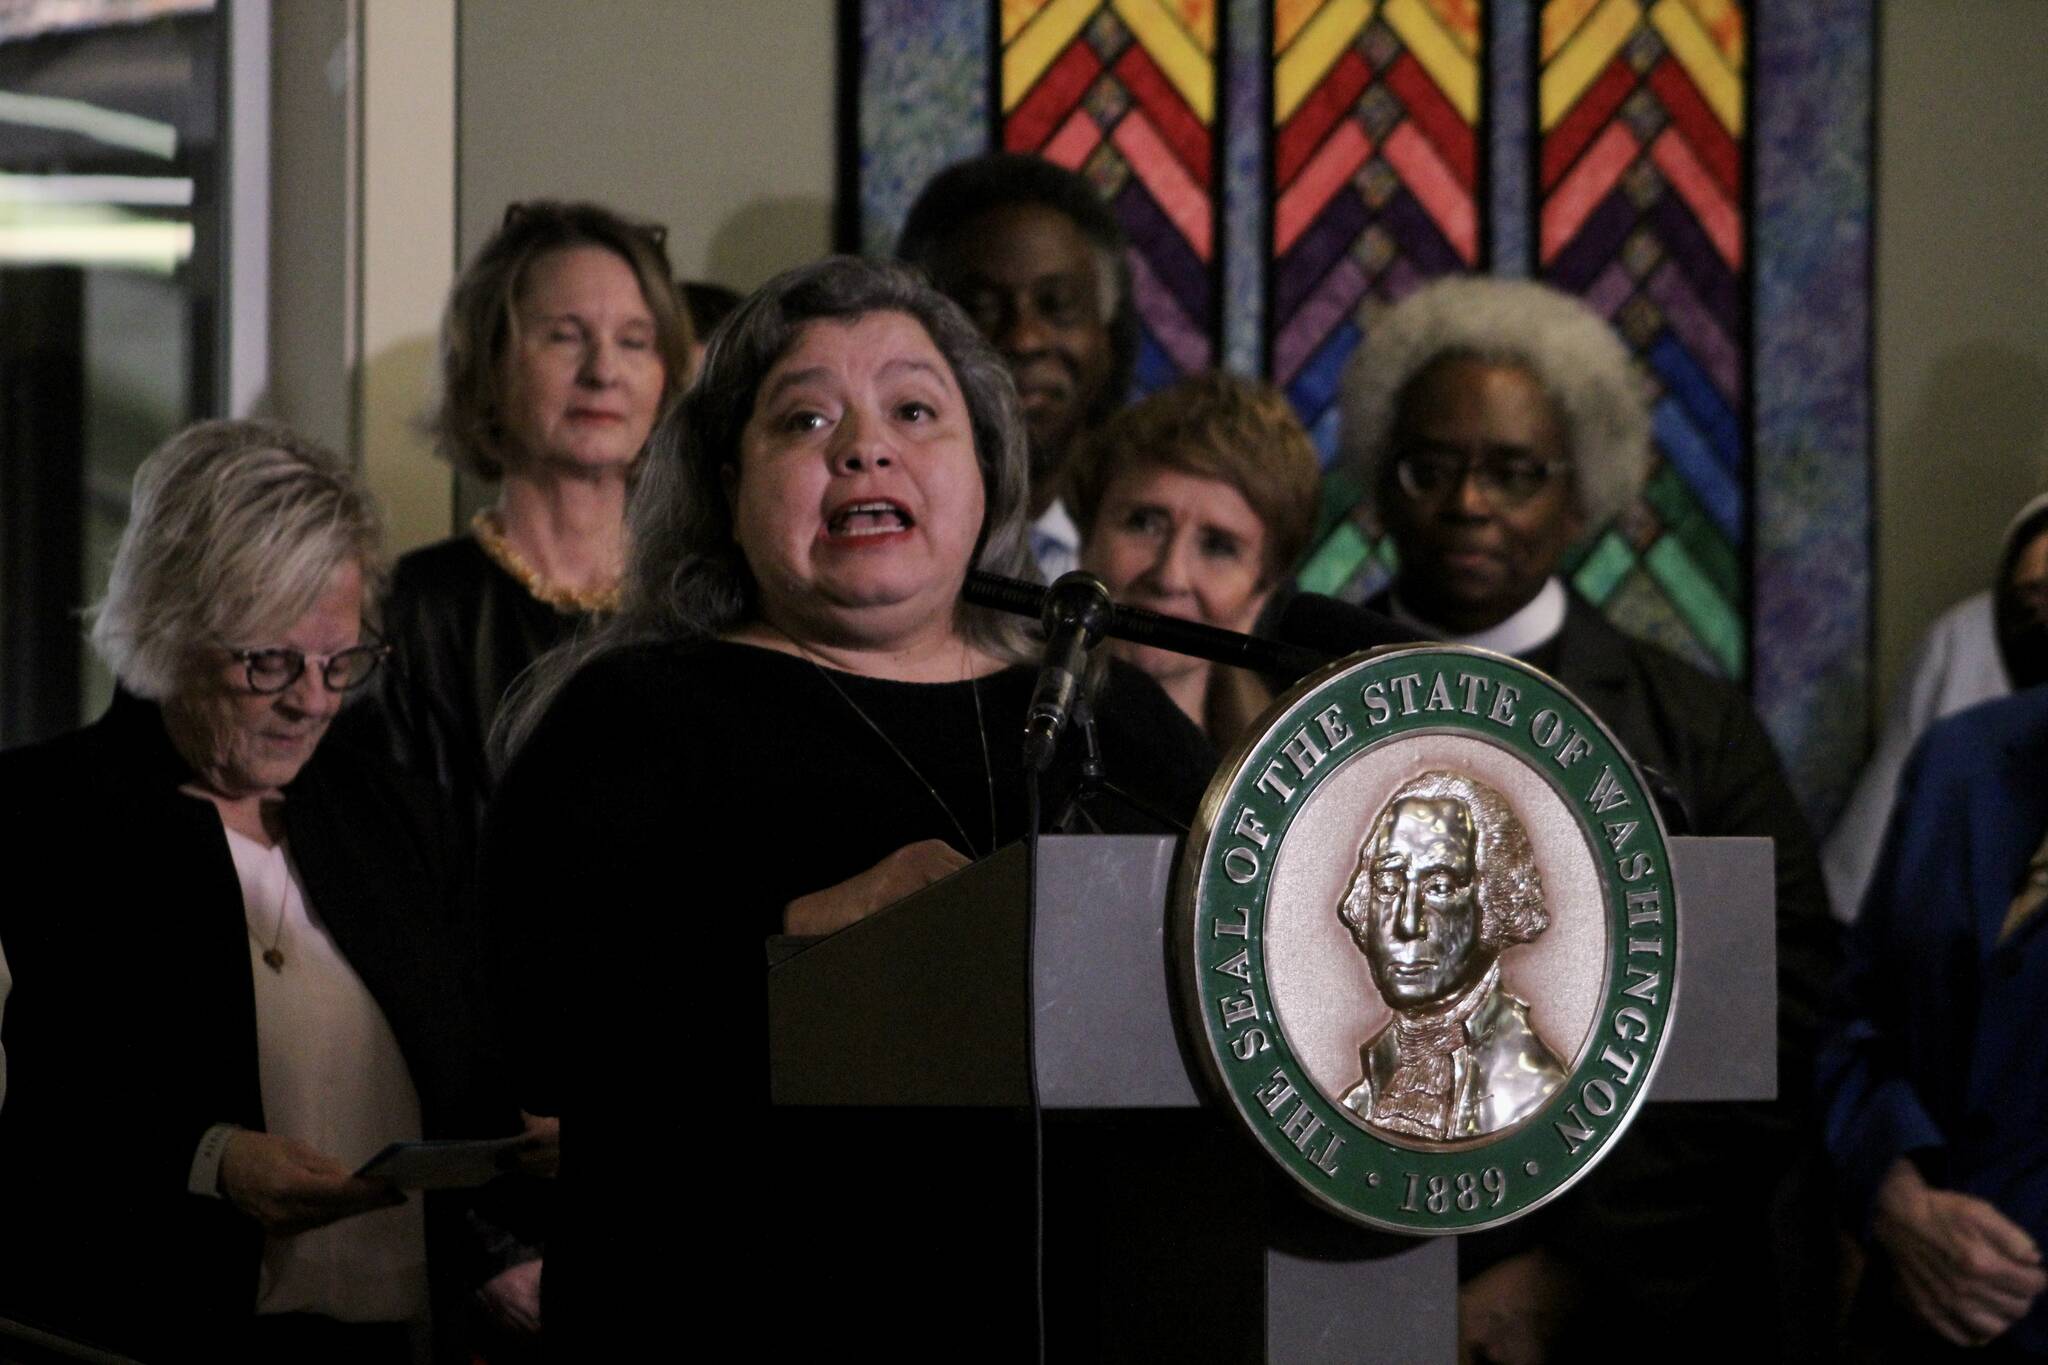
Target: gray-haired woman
<point>250,981</point>
<point>792,723</point>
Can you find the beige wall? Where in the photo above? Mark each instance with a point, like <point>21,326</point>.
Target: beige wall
<point>1962,299</point>
<point>715,117</point>
<point>362,249</point>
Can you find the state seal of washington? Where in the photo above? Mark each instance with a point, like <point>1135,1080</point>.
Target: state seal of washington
<point>1426,936</point>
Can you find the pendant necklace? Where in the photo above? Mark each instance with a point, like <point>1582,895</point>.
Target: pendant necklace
<point>273,956</point>
<point>980,730</point>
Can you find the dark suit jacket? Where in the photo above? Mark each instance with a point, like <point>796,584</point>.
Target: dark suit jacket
<point>1940,1055</point>
<point>132,1025</point>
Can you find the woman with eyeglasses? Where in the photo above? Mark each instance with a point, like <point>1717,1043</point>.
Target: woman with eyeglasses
<point>562,343</point>
<point>247,973</point>
<point>1497,424</point>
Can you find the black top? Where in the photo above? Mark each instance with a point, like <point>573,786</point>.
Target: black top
<point>132,1025</point>
<point>663,771</point>
<point>462,630</point>
<point>643,845</point>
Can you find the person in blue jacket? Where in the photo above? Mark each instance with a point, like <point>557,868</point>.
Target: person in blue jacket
<point>1934,1089</point>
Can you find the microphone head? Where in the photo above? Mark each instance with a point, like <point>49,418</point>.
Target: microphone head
<point>1079,598</point>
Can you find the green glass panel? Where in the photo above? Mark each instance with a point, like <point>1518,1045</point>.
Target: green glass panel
<point>1640,608</point>
<point>1704,609</point>
<point>1680,513</point>
<point>1331,564</point>
<point>1342,492</point>
<point>1603,568</point>
<point>1711,555</point>
<point>1669,498</point>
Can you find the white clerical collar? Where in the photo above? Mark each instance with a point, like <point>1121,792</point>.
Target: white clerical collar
<point>1534,626</point>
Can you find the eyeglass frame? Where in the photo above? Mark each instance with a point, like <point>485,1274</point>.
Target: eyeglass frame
<point>377,650</point>
<point>1473,465</point>
<point>655,233</point>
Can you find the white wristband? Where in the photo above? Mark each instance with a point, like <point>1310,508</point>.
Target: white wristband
<point>213,1145</point>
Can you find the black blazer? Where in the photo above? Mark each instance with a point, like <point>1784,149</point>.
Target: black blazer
<point>132,1025</point>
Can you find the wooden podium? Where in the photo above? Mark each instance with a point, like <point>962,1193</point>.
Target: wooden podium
<point>927,1004</point>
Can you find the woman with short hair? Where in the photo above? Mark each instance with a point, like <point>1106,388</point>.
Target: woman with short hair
<point>562,343</point>
<point>256,979</point>
<point>1196,502</point>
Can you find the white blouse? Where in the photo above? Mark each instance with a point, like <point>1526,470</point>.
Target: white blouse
<point>332,1075</point>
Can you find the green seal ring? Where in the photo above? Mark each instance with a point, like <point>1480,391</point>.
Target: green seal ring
<point>1348,710</point>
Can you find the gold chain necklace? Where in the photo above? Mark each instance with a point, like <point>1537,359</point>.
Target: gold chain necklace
<point>980,729</point>
<point>490,534</point>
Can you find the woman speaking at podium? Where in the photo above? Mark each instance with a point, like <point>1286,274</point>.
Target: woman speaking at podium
<point>792,723</point>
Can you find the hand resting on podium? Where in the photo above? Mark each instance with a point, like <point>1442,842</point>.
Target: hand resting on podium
<point>909,869</point>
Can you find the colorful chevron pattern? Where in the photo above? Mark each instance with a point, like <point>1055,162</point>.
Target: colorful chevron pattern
<point>1614,156</point>
<point>1641,211</point>
<point>1375,184</point>
<point>1124,91</point>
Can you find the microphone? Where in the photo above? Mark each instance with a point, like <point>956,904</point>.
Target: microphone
<point>1275,658</point>
<point>1076,609</point>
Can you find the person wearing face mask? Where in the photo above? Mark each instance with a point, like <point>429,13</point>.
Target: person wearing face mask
<point>1988,645</point>
<point>1195,502</point>
<point>1039,262</point>
<point>562,343</point>
<point>1494,422</point>
<point>258,974</point>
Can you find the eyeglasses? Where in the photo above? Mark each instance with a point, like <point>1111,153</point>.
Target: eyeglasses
<point>273,670</point>
<point>517,212</point>
<point>1508,481</point>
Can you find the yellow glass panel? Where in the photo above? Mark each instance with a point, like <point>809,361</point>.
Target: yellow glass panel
<point>1461,19</point>
<point>1017,13</point>
<point>1561,18</point>
<point>1187,66</point>
<point>1579,63</point>
<point>1720,85</point>
<point>1041,42</point>
<point>1449,65</point>
<point>1314,51</point>
<point>1724,23</point>
<point>1288,18</point>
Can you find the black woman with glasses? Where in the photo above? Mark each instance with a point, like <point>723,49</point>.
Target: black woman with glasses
<point>1496,423</point>
<point>562,343</point>
<point>246,973</point>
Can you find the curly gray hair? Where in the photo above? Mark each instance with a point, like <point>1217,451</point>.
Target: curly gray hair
<point>687,577</point>
<point>234,530</point>
<point>1511,908</point>
<point>1566,347</point>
